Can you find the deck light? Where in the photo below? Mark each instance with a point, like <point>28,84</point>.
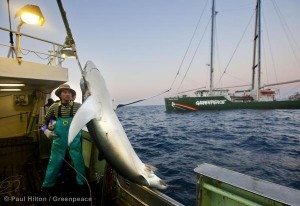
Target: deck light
<point>67,53</point>
<point>29,14</point>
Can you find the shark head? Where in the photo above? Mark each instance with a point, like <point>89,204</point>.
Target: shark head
<point>152,179</point>
<point>156,182</point>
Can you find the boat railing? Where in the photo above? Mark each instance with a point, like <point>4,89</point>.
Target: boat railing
<point>220,186</point>
<point>54,55</point>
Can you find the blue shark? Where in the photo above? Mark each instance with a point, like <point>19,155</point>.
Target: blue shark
<point>97,113</point>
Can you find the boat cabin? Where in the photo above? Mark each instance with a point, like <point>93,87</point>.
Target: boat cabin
<point>215,92</point>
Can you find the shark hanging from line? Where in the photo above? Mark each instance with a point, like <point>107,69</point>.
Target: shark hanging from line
<point>105,128</point>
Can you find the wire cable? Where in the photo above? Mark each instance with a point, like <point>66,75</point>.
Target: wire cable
<point>193,56</point>
<point>134,102</point>
<point>287,31</point>
<point>235,49</point>
<point>189,45</point>
<point>7,183</point>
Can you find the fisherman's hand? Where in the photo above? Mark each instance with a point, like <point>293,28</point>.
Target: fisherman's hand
<point>49,134</point>
<point>51,124</point>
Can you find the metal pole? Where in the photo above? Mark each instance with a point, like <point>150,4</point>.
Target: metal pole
<point>69,39</point>
<point>259,50</point>
<point>211,86</point>
<point>254,48</point>
<point>19,50</point>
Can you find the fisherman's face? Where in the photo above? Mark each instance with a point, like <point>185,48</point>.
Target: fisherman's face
<point>66,96</point>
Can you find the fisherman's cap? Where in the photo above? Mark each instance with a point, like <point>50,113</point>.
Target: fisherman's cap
<point>64,87</point>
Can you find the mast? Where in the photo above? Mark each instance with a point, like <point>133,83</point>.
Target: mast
<point>257,49</point>
<point>211,86</point>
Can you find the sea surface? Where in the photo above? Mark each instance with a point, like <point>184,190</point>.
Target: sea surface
<point>261,143</point>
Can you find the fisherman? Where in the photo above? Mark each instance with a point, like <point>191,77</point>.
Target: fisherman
<point>60,116</point>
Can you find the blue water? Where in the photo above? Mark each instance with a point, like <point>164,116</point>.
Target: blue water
<point>261,143</point>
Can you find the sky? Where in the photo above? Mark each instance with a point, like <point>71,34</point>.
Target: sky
<point>139,45</point>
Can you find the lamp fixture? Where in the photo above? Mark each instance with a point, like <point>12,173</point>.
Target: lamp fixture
<point>31,14</point>
<point>12,85</point>
<point>67,53</point>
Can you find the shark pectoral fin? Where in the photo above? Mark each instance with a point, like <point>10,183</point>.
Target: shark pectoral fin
<point>85,114</point>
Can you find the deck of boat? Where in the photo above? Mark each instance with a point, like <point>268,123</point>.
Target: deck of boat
<point>22,173</point>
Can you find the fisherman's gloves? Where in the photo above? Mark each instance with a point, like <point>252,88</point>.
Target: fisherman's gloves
<point>48,130</point>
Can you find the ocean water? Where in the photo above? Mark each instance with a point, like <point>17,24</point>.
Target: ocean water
<point>261,143</point>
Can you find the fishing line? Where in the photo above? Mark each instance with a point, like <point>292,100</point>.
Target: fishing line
<point>123,105</point>
<point>18,177</point>
<point>77,172</point>
<point>8,183</point>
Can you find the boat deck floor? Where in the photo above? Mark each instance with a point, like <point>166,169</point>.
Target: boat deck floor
<point>22,173</point>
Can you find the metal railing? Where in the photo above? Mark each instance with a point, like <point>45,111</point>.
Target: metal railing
<point>53,55</point>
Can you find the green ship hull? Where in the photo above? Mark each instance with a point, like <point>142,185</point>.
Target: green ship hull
<point>221,103</point>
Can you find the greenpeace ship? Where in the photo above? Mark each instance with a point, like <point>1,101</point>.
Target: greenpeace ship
<point>257,97</point>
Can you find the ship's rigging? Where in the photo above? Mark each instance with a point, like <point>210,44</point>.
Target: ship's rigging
<point>256,68</point>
